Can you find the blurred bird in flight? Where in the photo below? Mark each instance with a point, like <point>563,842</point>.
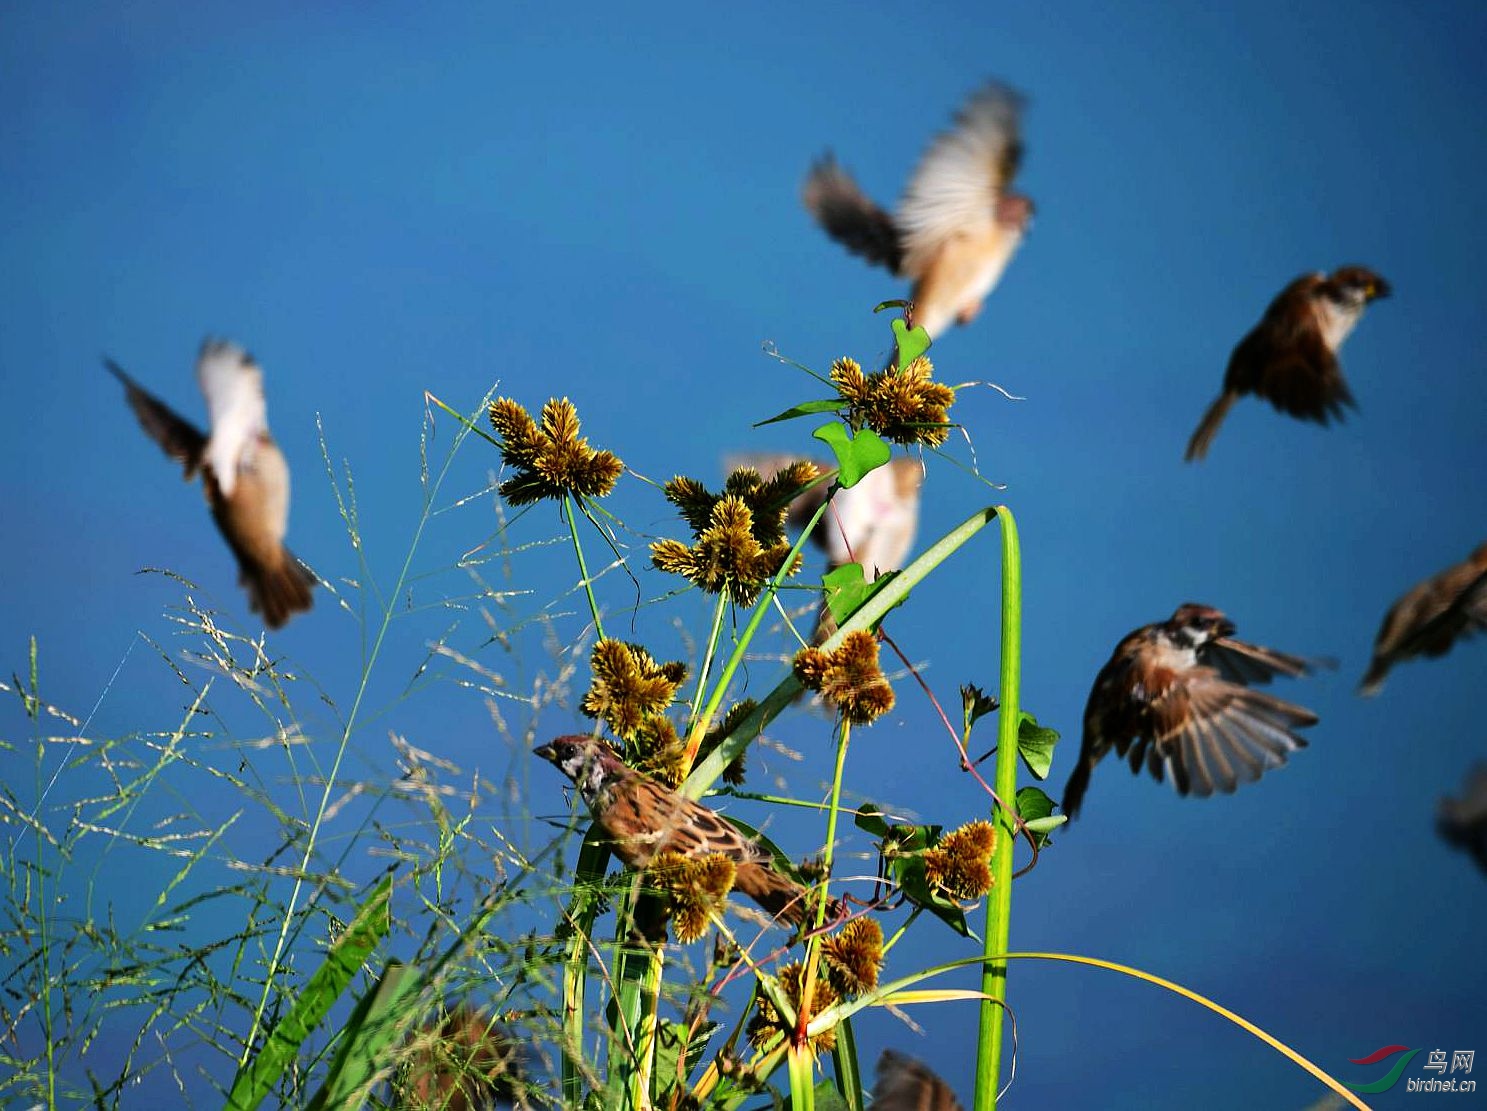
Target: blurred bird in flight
<point>904,1084</point>
<point>244,474</point>
<point>1431,616</point>
<point>1290,357</point>
<point>957,225</point>
<point>1463,822</point>
<point>1175,695</point>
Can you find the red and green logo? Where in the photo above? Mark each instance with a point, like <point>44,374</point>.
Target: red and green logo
<point>1390,1078</point>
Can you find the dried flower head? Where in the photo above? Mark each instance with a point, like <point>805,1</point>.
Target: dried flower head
<point>727,555</point>
<point>853,956</point>
<point>906,406</point>
<point>696,889</point>
<point>768,499</point>
<point>657,750</point>
<point>551,460</point>
<point>628,686</point>
<point>848,678</point>
<point>768,1022</point>
<point>733,774</point>
<point>958,864</point>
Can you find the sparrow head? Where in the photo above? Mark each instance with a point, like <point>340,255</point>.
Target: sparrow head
<point>1196,624</point>
<point>588,761</point>
<point>1357,285</point>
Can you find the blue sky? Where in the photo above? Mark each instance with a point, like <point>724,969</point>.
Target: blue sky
<point>571,201</point>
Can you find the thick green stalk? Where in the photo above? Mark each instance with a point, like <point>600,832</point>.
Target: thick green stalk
<point>576,929</point>
<point>999,902</point>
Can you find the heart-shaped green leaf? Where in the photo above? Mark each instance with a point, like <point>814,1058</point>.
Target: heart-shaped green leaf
<point>847,590</point>
<point>1035,745</point>
<point>855,455</point>
<point>1036,809</point>
<point>912,342</point>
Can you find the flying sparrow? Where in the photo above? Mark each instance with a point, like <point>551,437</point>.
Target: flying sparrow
<point>872,523</point>
<point>1290,357</point>
<point>1431,616</point>
<point>905,1084</point>
<point>645,818</point>
<point>1463,822</point>
<point>1175,696</point>
<point>243,472</point>
<point>957,225</point>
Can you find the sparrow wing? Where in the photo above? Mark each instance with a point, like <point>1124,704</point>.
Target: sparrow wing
<point>1112,714</point>
<point>905,1084</point>
<point>1285,358</point>
<point>1463,822</point>
<point>954,190</point>
<point>1243,663</point>
<point>1211,735</point>
<point>849,216</point>
<point>177,437</point>
<point>1428,619</point>
<point>233,386</point>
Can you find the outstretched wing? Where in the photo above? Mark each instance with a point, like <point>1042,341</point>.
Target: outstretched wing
<point>233,386</point>
<point>849,216</point>
<point>177,437</point>
<point>1239,662</point>
<point>955,188</point>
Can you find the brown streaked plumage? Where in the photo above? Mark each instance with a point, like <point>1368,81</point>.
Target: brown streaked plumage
<point>1290,357</point>
<point>905,1084</point>
<point>957,224</point>
<point>244,474</point>
<point>462,1062</point>
<point>1175,696</point>
<point>644,818</point>
<point>872,523</point>
<point>1463,821</point>
<point>1431,617</point>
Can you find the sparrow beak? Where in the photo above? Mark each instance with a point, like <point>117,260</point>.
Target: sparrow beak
<point>1376,289</point>
<point>547,752</point>
<point>1225,628</point>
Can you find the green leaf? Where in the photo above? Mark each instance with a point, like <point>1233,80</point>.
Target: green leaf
<point>895,304</point>
<point>256,1079</point>
<point>669,1039</point>
<point>828,1098</point>
<point>976,704</point>
<point>804,409</point>
<point>847,590</point>
<point>1036,809</point>
<point>1035,745</point>
<point>855,454</point>
<point>374,1027</point>
<point>912,342</point>
<point>902,848</point>
<point>870,818</point>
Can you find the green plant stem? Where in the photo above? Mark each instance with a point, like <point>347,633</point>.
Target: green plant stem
<point>844,735</point>
<point>999,904</point>
<point>712,647</point>
<point>583,567</point>
<point>577,926</point>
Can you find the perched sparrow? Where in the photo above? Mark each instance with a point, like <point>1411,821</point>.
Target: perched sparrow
<point>465,1061</point>
<point>1463,822</point>
<point>1431,617</point>
<point>905,1084</point>
<point>956,227</point>
<point>243,471</point>
<point>645,818</point>
<point>1290,357</point>
<point>1174,695</point>
<point>872,523</point>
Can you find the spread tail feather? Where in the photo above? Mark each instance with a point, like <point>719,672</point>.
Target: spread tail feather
<point>1208,427</point>
<point>278,592</point>
<point>1078,784</point>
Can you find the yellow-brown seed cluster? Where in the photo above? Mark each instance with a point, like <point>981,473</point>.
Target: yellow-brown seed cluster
<point>767,1021</point>
<point>739,534</point>
<point>853,956</point>
<point>551,460</point>
<point>906,406</point>
<point>848,678</point>
<point>696,889</point>
<point>630,692</point>
<point>958,864</point>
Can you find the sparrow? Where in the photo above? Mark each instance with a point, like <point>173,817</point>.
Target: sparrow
<point>1430,617</point>
<point>957,224</point>
<point>1290,357</point>
<point>872,523</point>
<point>905,1084</point>
<point>1463,822</point>
<point>1175,695</point>
<point>644,818</point>
<point>243,472</point>
<point>463,1062</point>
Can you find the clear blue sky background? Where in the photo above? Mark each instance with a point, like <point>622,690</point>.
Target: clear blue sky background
<point>572,201</point>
